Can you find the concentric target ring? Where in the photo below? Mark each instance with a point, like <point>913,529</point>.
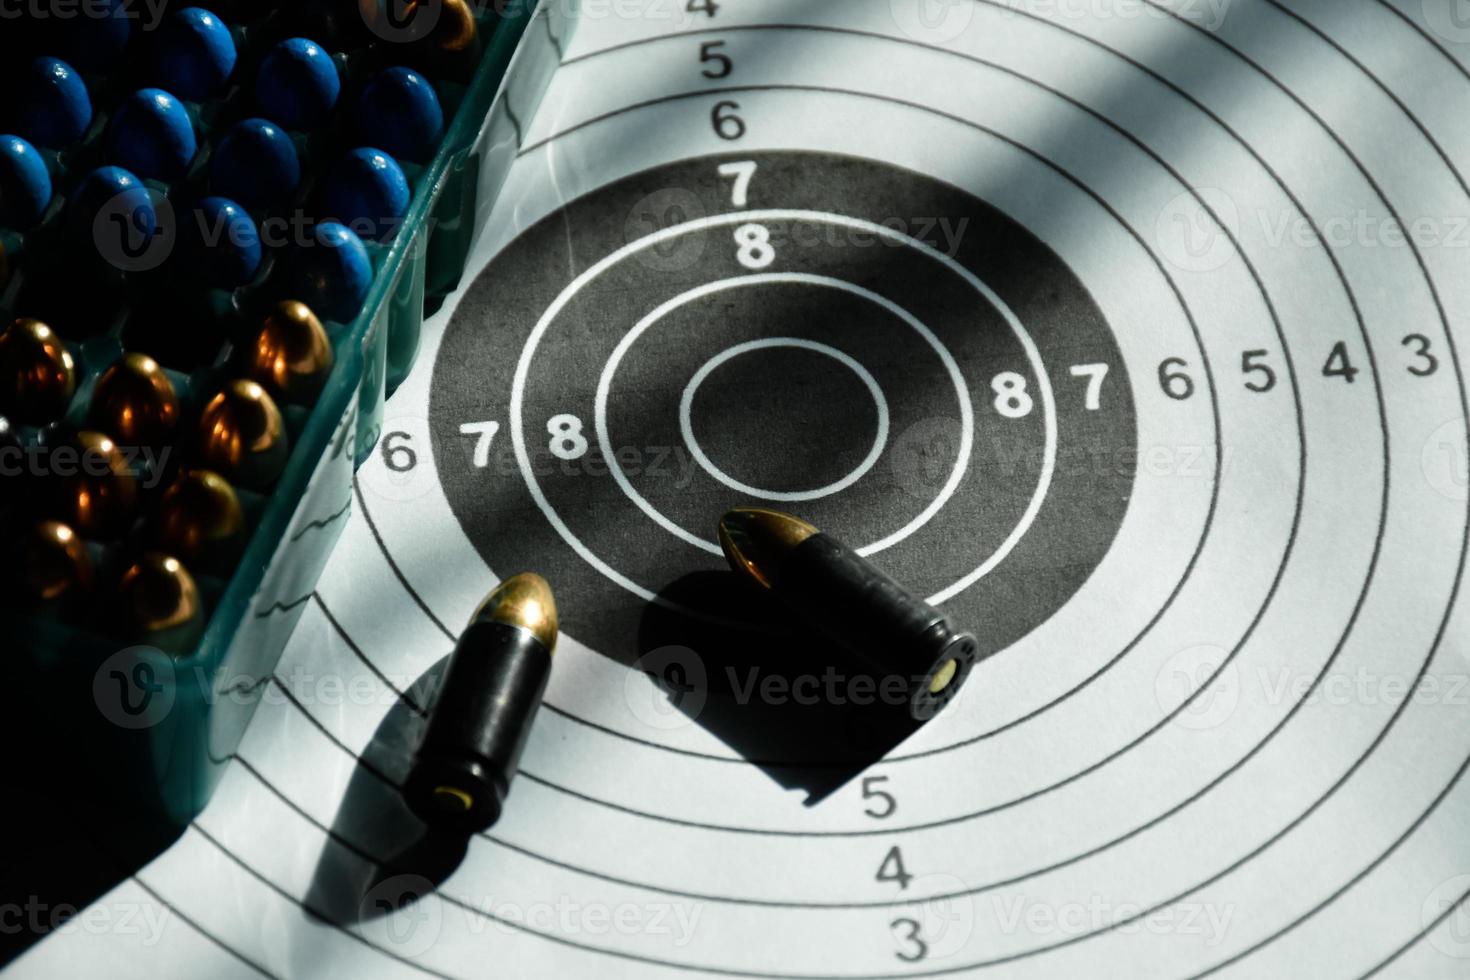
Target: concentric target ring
<point>686,424</point>
<point>956,378</point>
<point>1209,378</point>
<point>967,432</point>
<point>969,966</point>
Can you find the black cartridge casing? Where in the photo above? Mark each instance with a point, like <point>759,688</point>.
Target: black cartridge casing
<point>478,726</point>
<point>844,597</point>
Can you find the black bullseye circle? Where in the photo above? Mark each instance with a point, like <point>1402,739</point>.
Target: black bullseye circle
<point>785,395</point>
<point>881,353</point>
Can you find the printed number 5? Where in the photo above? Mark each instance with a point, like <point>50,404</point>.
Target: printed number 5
<point>889,803</point>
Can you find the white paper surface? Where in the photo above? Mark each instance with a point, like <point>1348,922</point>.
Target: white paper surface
<point>1259,772</point>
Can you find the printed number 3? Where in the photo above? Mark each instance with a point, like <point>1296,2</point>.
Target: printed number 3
<point>911,933</point>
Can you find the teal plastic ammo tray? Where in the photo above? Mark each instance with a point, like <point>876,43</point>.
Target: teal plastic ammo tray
<point>140,736</point>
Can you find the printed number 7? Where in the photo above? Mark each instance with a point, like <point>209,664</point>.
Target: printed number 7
<point>486,433</point>
<point>742,172</point>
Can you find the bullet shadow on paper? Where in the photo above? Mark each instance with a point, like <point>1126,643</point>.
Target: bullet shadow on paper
<point>381,857</point>
<point>714,673</point>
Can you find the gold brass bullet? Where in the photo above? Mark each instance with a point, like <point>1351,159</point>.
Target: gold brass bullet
<point>456,28</point>
<point>242,435</point>
<point>54,563</point>
<point>292,355</point>
<point>755,541</point>
<point>525,602</point>
<point>134,402</point>
<point>199,518</point>
<point>99,496</point>
<point>484,708</point>
<point>37,373</point>
<point>160,601</point>
<point>843,597</point>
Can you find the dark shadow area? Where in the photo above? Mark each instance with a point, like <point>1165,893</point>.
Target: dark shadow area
<point>790,703</point>
<point>380,857</point>
<point>67,840</point>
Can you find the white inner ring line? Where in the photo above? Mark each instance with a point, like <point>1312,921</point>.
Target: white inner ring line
<point>686,421</point>
<point>952,368</point>
<point>1033,355</point>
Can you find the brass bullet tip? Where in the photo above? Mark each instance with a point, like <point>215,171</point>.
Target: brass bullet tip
<point>526,601</point>
<point>158,594</point>
<point>243,436</point>
<point>456,28</point>
<point>755,540</point>
<point>100,500</point>
<point>135,402</point>
<point>292,355</point>
<point>200,513</point>
<point>55,562</point>
<point>37,373</point>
